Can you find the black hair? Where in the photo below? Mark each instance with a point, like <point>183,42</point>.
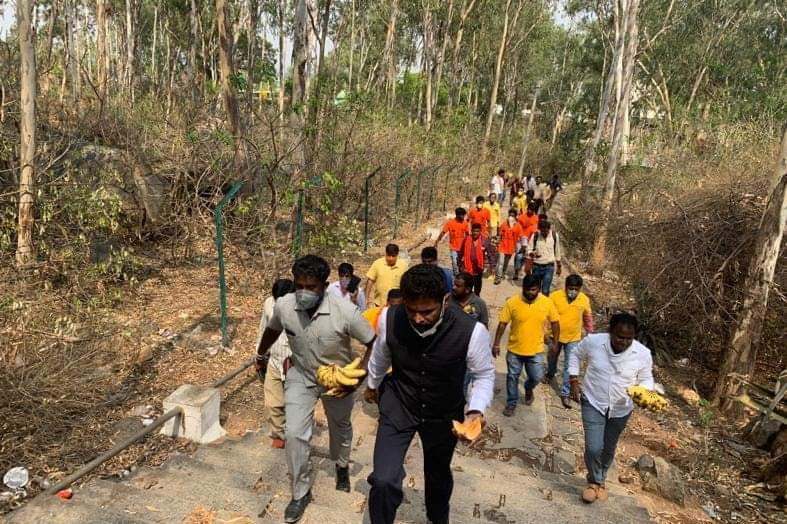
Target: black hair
<point>479,198</point>
<point>429,252</point>
<point>465,277</point>
<point>391,250</point>
<point>501,171</point>
<point>574,280</point>
<point>395,294</point>
<point>311,266</point>
<point>460,211</point>
<point>345,268</point>
<point>624,319</point>
<point>531,281</point>
<point>423,281</point>
<point>282,287</point>
<point>513,211</point>
<point>476,226</point>
<point>543,223</point>
<point>532,206</point>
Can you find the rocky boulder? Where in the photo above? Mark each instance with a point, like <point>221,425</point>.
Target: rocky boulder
<point>662,478</point>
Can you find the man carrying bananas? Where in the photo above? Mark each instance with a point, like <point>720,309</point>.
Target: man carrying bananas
<point>319,327</point>
<point>616,365</point>
<point>429,344</point>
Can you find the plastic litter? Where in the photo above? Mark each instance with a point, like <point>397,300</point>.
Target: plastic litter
<point>16,478</point>
<point>147,421</point>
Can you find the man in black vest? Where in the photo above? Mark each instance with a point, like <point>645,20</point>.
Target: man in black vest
<point>429,346</point>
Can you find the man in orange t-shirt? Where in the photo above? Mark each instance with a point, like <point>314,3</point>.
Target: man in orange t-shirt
<point>480,215</point>
<point>529,221</point>
<point>510,235</point>
<point>456,229</point>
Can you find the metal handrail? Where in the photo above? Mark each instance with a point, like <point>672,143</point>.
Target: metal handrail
<point>96,462</point>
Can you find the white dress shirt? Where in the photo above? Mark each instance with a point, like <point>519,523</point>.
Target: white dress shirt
<point>608,374</point>
<point>336,289</point>
<point>280,349</point>
<point>479,364</point>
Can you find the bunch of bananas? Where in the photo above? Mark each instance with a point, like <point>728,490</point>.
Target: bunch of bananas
<point>340,380</point>
<point>647,399</point>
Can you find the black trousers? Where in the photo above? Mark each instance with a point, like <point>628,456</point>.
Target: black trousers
<point>478,281</point>
<point>390,449</point>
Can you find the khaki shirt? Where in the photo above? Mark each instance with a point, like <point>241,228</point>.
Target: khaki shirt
<point>325,337</point>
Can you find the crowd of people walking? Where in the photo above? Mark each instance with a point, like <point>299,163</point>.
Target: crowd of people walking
<point>429,352</point>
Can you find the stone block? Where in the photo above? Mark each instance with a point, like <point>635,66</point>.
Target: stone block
<point>665,480</point>
<point>200,419</point>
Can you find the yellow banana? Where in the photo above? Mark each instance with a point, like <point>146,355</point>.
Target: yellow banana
<point>344,380</point>
<point>354,364</point>
<point>353,373</point>
<point>647,399</point>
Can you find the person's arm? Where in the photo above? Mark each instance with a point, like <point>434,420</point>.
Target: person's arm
<point>379,360</point>
<point>558,264</point>
<point>575,359</point>
<point>554,318</point>
<point>269,335</point>
<point>501,328</point>
<point>483,314</point>
<point>482,370</point>
<point>361,299</point>
<point>441,235</point>
<point>359,329</point>
<point>587,318</point>
<point>371,278</point>
<point>645,373</point>
<point>460,255</point>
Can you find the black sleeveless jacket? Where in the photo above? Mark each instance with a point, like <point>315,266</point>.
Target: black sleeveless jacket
<point>428,373</point>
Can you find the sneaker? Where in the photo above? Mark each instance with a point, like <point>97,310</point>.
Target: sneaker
<point>601,494</point>
<point>509,411</point>
<point>497,281</point>
<point>516,278</point>
<point>589,494</point>
<point>528,397</point>
<point>566,402</point>
<point>547,379</point>
<point>343,479</point>
<point>296,508</point>
<point>277,443</point>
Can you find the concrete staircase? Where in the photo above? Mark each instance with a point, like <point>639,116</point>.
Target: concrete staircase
<point>245,481</point>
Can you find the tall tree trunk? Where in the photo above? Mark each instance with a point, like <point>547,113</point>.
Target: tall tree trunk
<point>352,47</point>
<point>496,81</point>
<point>301,46</point>
<point>25,249</point>
<point>629,59</point>
<point>467,8</point>
<point>130,46</point>
<point>154,50</point>
<point>441,55</point>
<point>606,98</point>
<point>741,355</point>
<point>427,64</point>
<point>388,69</point>
<point>251,52</point>
<point>526,141</point>
<point>193,24</point>
<point>227,70</point>
<point>101,48</point>
<point>280,16</point>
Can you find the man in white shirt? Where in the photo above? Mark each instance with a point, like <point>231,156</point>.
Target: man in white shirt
<point>429,345</point>
<point>347,286</point>
<point>615,361</point>
<point>544,249</point>
<point>497,184</point>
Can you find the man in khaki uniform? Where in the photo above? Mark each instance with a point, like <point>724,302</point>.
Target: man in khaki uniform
<point>319,327</point>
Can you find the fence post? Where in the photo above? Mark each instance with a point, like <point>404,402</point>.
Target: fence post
<point>447,175</point>
<point>219,221</point>
<point>431,192</point>
<point>398,198</point>
<point>418,196</point>
<point>366,184</point>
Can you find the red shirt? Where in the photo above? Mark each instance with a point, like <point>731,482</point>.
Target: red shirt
<point>509,236</point>
<point>480,216</point>
<point>456,232</point>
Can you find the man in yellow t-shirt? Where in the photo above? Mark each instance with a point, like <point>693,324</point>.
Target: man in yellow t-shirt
<point>384,275</point>
<point>528,314</point>
<point>494,214</point>
<point>573,306</point>
<point>519,202</point>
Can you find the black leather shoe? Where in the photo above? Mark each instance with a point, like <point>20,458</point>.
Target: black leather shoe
<point>343,479</point>
<point>528,397</point>
<point>295,508</point>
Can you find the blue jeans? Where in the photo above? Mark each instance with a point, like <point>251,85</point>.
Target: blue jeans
<point>533,366</point>
<point>601,439</point>
<point>454,264</point>
<point>545,273</point>
<point>567,348</point>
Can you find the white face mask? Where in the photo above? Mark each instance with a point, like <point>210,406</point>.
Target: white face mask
<point>511,220</point>
<point>432,330</point>
<point>572,294</point>
<point>307,299</point>
<point>344,282</point>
